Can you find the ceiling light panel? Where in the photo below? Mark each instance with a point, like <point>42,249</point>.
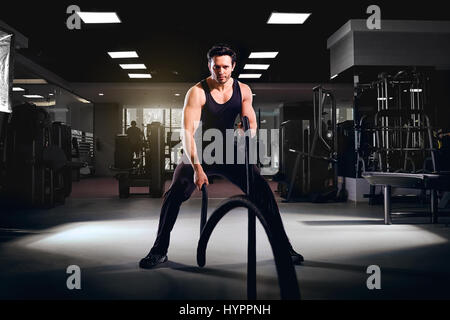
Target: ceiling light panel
<point>33,96</point>
<point>256,66</point>
<point>123,54</point>
<point>99,17</point>
<point>263,55</point>
<point>29,81</point>
<point>250,76</point>
<point>139,75</point>
<point>288,18</point>
<point>135,66</point>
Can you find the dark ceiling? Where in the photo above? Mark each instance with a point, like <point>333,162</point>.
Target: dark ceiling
<point>172,38</point>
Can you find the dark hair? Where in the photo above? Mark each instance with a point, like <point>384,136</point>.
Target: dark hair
<point>221,50</point>
<point>133,122</point>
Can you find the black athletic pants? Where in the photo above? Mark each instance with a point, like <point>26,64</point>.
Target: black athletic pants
<point>183,186</point>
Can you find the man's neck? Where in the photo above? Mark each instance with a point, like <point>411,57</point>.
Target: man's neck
<point>219,86</point>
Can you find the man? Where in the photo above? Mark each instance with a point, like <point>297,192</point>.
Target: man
<point>215,103</point>
<point>135,138</point>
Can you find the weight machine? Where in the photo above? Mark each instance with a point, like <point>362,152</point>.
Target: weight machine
<point>314,144</point>
<point>396,135</point>
<point>147,169</point>
<point>395,145</point>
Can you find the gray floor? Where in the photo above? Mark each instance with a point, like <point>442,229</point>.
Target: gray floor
<point>106,237</point>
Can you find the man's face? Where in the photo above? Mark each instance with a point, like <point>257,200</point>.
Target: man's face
<point>221,68</point>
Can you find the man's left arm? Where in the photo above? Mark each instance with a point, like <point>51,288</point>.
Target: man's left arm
<point>247,108</point>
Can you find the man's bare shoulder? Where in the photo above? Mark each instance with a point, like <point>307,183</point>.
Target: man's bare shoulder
<point>196,94</point>
<point>197,86</point>
<point>196,90</point>
<point>245,90</point>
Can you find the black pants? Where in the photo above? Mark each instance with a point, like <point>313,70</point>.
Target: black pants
<point>183,186</point>
<point>135,148</point>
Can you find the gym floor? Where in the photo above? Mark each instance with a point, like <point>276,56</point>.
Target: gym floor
<point>106,237</point>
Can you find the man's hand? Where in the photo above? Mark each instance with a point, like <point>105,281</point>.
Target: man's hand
<point>240,129</point>
<point>200,178</point>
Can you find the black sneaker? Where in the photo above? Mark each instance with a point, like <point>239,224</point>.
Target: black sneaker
<point>152,260</point>
<point>297,258</point>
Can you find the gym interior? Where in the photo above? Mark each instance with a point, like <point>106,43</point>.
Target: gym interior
<point>352,103</point>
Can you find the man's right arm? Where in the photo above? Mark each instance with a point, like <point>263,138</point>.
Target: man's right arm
<point>191,118</point>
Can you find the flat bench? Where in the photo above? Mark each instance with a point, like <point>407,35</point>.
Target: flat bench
<point>425,181</point>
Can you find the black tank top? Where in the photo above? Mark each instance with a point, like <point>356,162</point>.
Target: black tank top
<point>220,116</point>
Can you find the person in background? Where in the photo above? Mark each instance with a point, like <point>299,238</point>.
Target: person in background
<point>135,137</point>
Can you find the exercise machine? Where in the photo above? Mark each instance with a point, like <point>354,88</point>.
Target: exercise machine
<point>37,158</point>
<point>312,144</point>
<point>145,169</point>
<point>393,130</point>
<point>396,147</point>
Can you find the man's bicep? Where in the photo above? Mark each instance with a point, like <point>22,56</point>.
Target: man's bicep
<point>192,111</point>
<point>248,111</point>
<point>191,117</point>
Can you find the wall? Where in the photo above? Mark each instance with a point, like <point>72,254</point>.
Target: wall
<point>107,124</point>
<point>81,117</point>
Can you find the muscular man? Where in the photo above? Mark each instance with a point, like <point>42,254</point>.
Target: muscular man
<point>215,103</point>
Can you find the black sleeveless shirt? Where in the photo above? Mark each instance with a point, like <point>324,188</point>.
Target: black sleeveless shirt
<point>220,116</point>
